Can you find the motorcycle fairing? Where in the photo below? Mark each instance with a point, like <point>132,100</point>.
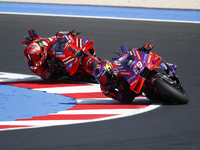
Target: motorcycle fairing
<point>71,52</point>
<point>33,34</point>
<point>133,64</point>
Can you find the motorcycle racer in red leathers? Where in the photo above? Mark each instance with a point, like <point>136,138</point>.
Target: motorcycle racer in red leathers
<point>38,60</point>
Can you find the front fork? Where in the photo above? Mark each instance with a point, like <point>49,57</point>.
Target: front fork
<point>171,79</point>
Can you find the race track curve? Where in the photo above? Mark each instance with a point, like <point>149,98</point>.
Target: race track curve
<point>167,127</point>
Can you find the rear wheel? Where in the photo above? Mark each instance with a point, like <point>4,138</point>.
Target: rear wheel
<point>171,92</point>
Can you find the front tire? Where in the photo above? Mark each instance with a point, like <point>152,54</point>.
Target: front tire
<point>172,92</point>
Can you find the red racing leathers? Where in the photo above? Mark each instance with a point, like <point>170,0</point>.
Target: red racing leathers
<point>42,68</point>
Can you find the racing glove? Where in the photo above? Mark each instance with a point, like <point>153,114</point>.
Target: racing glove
<point>146,48</point>
<point>74,32</point>
<point>33,69</point>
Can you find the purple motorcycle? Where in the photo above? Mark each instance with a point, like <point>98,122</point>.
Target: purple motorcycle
<point>146,72</point>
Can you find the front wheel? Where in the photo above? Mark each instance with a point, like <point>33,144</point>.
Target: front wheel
<point>173,92</point>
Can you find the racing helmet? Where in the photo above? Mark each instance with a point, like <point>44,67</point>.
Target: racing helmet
<point>103,72</point>
<point>34,51</point>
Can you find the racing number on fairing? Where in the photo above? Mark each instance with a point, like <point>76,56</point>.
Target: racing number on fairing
<point>137,67</point>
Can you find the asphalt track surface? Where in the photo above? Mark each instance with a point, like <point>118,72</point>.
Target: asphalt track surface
<point>167,127</point>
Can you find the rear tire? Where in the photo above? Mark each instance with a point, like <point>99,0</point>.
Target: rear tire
<point>171,92</point>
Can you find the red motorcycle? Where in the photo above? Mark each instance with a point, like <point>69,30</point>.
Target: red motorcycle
<point>76,56</point>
